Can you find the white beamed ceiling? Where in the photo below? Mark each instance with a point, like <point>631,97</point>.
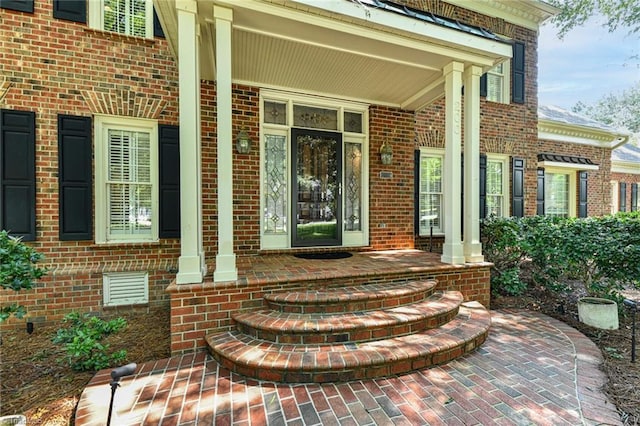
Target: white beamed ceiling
<point>284,45</point>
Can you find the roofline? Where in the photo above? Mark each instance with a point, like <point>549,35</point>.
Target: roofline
<point>563,132</point>
<point>527,13</point>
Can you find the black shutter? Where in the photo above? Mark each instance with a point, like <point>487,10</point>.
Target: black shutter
<point>582,194</point>
<point>70,10</point>
<point>517,73</point>
<point>157,28</point>
<point>19,5</point>
<point>416,191</point>
<point>517,188</point>
<point>74,178</point>
<point>169,158</point>
<point>540,193</point>
<point>623,197</point>
<point>483,186</point>
<point>18,173</point>
<point>634,197</point>
<point>483,85</point>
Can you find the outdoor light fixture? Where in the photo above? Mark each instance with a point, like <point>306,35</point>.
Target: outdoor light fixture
<point>386,153</point>
<point>243,142</point>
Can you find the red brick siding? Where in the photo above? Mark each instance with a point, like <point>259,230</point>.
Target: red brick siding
<point>202,309</point>
<point>55,66</point>
<point>628,178</point>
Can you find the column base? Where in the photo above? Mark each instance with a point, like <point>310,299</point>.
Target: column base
<point>452,254</point>
<point>225,268</point>
<point>190,270</point>
<point>473,253</point>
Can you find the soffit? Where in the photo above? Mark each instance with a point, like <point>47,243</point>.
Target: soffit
<point>337,48</point>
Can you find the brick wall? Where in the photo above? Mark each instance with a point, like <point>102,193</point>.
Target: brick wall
<point>51,66</point>
<point>628,178</point>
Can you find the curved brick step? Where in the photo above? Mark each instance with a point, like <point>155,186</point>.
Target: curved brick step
<point>351,299</point>
<point>293,328</point>
<point>344,362</point>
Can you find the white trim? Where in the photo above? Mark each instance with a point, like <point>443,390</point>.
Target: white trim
<point>558,131</point>
<point>349,238</point>
<point>572,195</point>
<point>505,83</point>
<point>527,13</point>
<point>95,18</point>
<point>506,178</point>
<point>102,124</point>
<point>615,197</point>
<point>437,153</point>
<point>567,166</point>
<point>629,167</point>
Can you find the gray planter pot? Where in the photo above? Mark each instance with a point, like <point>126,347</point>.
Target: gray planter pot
<point>598,312</point>
<point>13,420</point>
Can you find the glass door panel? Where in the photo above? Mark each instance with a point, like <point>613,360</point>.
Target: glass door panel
<point>317,177</point>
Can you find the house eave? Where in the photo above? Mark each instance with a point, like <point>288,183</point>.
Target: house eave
<point>562,132</point>
<point>627,167</point>
<point>526,13</point>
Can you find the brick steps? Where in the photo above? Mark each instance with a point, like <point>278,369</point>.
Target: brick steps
<point>351,298</point>
<point>294,328</point>
<point>338,362</point>
<point>351,333</point>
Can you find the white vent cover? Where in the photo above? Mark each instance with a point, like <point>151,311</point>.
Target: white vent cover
<point>125,288</point>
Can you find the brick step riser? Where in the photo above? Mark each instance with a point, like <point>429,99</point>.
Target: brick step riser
<point>373,371</point>
<point>364,334</point>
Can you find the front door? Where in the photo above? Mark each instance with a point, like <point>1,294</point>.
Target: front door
<point>317,187</point>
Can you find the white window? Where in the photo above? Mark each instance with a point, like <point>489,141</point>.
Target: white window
<point>498,83</point>
<point>560,193</point>
<point>128,17</point>
<point>126,180</point>
<point>430,193</point>
<point>497,189</point>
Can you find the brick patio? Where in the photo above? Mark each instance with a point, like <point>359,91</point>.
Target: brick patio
<point>531,370</point>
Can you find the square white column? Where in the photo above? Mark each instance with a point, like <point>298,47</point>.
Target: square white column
<point>191,264</point>
<point>472,244</point>
<point>452,251</point>
<point>225,259</point>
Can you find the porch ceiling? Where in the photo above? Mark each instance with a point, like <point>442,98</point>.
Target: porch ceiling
<point>337,48</point>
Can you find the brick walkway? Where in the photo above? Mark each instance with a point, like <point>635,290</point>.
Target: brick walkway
<point>532,370</point>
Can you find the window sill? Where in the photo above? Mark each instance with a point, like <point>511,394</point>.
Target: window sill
<point>109,245</point>
<point>108,35</point>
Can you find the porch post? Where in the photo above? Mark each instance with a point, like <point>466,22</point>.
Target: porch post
<point>472,244</point>
<point>191,264</point>
<point>452,251</point>
<point>226,259</point>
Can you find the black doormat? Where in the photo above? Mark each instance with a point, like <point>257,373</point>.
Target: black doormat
<point>326,255</point>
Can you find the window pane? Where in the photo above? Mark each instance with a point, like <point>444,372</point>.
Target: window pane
<point>353,186</point>
<point>556,194</point>
<point>430,202</point>
<point>125,17</point>
<point>315,118</point>
<point>275,112</point>
<point>353,122</point>
<point>275,184</point>
<point>495,196</point>
<point>494,87</point>
<point>129,183</point>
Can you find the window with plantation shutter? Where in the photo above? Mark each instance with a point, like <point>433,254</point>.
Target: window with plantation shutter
<point>128,17</point>
<point>126,180</point>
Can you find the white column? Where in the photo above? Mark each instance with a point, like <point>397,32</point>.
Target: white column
<point>191,264</point>
<point>452,249</point>
<point>226,259</point>
<point>472,244</point>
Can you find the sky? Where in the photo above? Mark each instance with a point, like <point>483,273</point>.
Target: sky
<point>586,65</point>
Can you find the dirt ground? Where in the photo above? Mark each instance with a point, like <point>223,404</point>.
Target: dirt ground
<point>33,382</point>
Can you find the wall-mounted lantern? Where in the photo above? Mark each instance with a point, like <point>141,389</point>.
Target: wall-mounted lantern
<point>243,142</point>
<point>386,153</point>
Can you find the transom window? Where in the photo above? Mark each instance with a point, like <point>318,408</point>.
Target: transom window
<point>126,181</point>
<point>128,17</point>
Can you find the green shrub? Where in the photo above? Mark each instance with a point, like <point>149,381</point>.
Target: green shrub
<point>601,252</point>
<point>18,270</point>
<point>508,282</point>
<point>81,339</point>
